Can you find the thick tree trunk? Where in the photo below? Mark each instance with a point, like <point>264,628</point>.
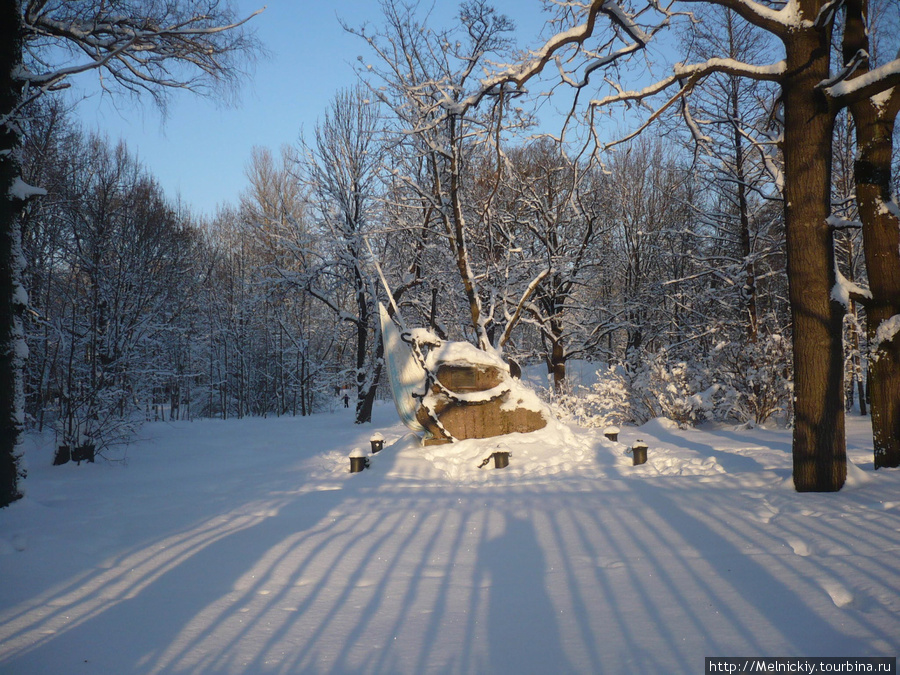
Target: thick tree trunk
<point>11,308</point>
<point>819,447</point>
<point>881,237</point>
<point>881,241</point>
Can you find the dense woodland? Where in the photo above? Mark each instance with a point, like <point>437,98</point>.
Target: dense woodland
<point>661,257</point>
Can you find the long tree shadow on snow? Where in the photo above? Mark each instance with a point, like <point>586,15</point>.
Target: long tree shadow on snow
<point>733,463</point>
<point>609,576</point>
<point>523,629</point>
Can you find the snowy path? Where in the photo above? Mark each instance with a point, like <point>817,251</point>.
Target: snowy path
<point>245,547</point>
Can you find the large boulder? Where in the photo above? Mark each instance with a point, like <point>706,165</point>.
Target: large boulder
<point>475,397</point>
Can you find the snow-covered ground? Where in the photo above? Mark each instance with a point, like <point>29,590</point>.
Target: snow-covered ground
<point>247,547</point>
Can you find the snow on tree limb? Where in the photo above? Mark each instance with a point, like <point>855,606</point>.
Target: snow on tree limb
<point>876,81</point>
<point>532,287</point>
<point>23,191</point>
<point>693,73</point>
<point>860,59</point>
<point>620,19</point>
<point>776,21</point>
<point>845,290</point>
<point>838,223</point>
<point>687,77</point>
<point>137,46</point>
<point>827,13</point>
<point>887,330</point>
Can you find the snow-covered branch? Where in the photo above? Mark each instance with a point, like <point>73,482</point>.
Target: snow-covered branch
<point>859,59</point>
<point>690,74</point>
<point>845,290</point>
<point>846,91</point>
<point>626,29</point>
<point>776,21</point>
<point>526,296</point>
<point>150,47</point>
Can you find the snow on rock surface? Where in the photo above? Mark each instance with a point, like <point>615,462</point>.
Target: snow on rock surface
<point>246,546</point>
<point>523,396</point>
<point>463,353</point>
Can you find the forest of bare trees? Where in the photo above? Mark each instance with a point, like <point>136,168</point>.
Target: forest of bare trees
<point>733,255</point>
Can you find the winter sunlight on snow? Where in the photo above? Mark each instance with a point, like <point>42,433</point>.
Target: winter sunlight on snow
<point>629,270</point>
<point>246,546</point>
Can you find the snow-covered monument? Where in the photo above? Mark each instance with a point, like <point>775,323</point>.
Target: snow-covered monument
<point>453,390</point>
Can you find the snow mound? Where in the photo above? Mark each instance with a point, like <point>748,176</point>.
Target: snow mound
<point>856,477</point>
<point>546,452</point>
<point>679,466</point>
<point>660,423</point>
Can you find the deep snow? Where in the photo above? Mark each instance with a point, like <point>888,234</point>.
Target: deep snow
<point>245,546</point>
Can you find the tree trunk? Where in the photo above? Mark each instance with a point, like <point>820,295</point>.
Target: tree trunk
<point>557,357</point>
<point>367,400</point>
<point>456,229</point>
<point>857,362</point>
<point>819,447</point>
<point>11,308</point>
<point>881,241</point>
<point>748,293</point>
<point>364,395</point>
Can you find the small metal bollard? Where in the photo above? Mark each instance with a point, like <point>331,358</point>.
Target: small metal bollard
<point>377,441</point>
<point>612,433</point>
<point>501,460</point>
<point>84,453</point>
<point>639,452</point>
<point>62,456</point>
<point>358,461</point>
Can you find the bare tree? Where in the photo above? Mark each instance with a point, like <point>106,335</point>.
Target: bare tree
<point>561,215</point>
<point>274,210</point>
<point>444,120</point>
<point>342,173</point>
<point>810,95</point>
<point>142,46</point>
<point>726,106</point>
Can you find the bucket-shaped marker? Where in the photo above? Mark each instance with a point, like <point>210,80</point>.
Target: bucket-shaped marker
<point>639,452</point>
<point>501,460</point>
<point>358,461</point>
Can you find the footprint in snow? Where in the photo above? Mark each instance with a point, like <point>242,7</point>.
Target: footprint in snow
<point>765,512</point>
<point>610,564</point>
<point>800,547</point>
<point>838,593</point>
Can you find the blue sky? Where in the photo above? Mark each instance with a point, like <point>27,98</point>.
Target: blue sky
<point>201,150</point>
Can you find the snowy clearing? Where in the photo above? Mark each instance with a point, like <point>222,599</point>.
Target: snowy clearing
<point>246,547</point>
